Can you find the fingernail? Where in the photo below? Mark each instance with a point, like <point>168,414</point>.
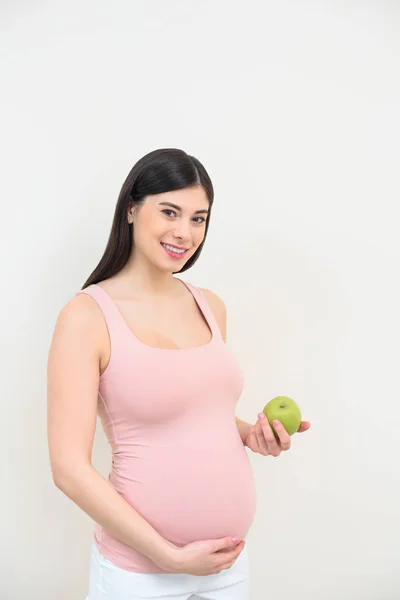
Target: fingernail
<point>261,415</point>
<point>235,540</point>
<point>276,423</point>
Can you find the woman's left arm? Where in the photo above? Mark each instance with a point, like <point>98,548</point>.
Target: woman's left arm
<point>219,311</point>
<point>259,437</point>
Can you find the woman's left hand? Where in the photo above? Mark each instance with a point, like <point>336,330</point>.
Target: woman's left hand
<point>261,438</point>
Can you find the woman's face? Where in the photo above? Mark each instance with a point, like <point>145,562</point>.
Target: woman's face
<point>176,219</point>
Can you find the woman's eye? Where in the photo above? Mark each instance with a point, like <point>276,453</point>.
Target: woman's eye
<point>170,213</point>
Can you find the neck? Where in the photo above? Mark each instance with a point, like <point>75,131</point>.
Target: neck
<point>139,277</point>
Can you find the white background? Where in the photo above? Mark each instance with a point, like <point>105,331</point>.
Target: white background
<point>293,108</point>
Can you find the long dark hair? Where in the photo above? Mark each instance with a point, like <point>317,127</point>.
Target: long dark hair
<point>163,170</point>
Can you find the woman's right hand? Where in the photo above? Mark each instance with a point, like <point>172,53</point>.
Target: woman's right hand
<point>205,557</point>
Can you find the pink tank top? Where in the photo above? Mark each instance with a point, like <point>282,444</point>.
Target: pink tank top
<point>169,417</point>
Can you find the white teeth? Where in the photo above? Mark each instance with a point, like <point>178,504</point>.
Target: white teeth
<point>173,249</point>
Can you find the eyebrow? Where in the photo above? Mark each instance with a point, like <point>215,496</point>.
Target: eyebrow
<point>178,208</point>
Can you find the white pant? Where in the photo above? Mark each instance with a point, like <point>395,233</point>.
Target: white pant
<point>109,582</point>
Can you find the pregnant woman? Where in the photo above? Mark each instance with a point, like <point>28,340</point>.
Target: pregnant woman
<point>145,350</point>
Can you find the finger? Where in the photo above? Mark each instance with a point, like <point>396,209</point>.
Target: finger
<point>304,425</point>
<point>234,558</point>
<point>283,435</point>
<point>272,444</point>
<point>228,565</point>
<point>262,445</point>
<point>231,557</point>
<point>225,543</point>
<point>253,442</point>
<point>221,568</point>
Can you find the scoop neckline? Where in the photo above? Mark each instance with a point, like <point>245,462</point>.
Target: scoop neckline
<point>157,348</point>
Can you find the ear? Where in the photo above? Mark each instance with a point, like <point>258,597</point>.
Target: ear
<point>131,213</point>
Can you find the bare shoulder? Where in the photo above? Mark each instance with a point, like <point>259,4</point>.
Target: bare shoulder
<point>81,319</point>
<point>214,300</point>
<point>218,308</point>
<point>81,311</point>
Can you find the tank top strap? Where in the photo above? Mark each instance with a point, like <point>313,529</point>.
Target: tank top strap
<point>205,308</point>
<point>110,311</point>
<point>116,324</point>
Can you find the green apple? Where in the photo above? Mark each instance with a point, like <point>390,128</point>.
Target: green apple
<point>286,411</point>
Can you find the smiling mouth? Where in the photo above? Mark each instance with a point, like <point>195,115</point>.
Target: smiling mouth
<point>174,250</point>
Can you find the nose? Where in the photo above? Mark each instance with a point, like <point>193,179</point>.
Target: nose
<point>182,229</point>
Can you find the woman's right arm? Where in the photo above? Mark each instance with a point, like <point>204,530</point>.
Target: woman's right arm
<point>73,375</point>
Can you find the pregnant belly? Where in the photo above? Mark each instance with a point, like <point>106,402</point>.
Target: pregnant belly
<point>194,492</point>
